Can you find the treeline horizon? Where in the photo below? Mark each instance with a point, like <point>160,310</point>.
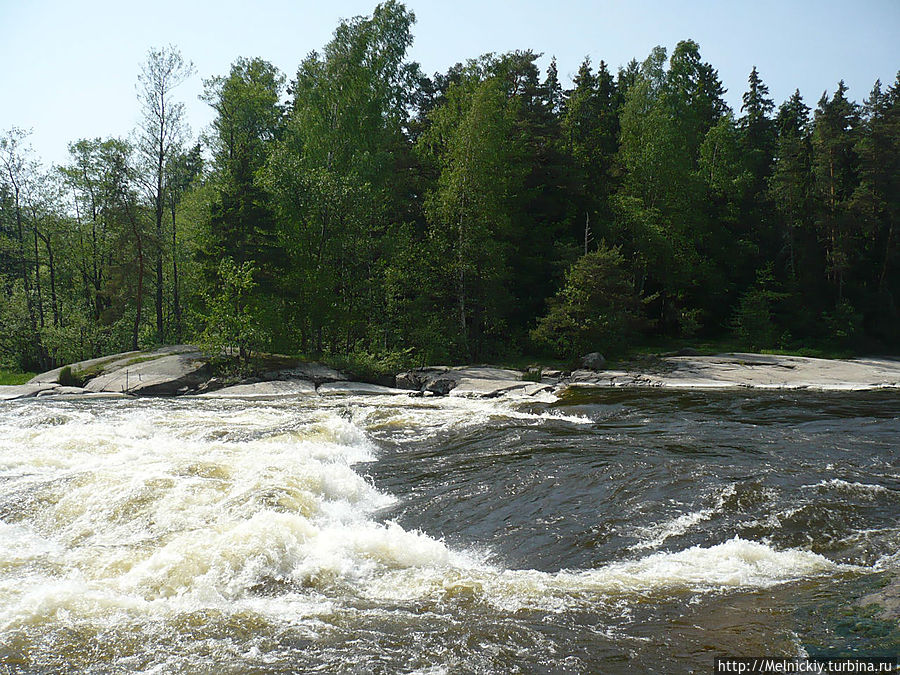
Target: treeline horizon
<point>481,213</point>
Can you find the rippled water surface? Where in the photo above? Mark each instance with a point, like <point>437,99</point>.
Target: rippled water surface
<point>611,531</point>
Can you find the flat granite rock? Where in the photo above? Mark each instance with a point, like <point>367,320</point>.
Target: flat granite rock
<point>486,373</point>
<point>62,391</point>
<point>442,380</point>
<point>535,388</point>
<point>363,388</point>
<point>108,364</point>
<point>8,392</point>
<point>162,376</point>
<point>469,387</point>
<point>754,371</point>
<point>265,389</point>
<point>104,361</point>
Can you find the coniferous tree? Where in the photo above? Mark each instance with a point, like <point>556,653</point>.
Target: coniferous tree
<point>835,128</point>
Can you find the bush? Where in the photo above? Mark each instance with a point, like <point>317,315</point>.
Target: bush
<point>594,311</point>
<point>368,367</point>
<point>843,324</point>
<point>753,322</point>
<point>232,323</point>
<point>67,378</point>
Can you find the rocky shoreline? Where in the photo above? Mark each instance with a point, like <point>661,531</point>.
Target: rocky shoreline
<point>181,370</point>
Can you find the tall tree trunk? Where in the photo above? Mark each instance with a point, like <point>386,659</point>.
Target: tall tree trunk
<point>37,278</point>
<point>23,257</point>
<point>139,299</point>
<point>887,255</point>
<point>52,269</point>
<point>175,297</point>
<point>160,208</point>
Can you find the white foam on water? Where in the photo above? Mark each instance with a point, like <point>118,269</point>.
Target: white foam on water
<point>429,417</point>
<point>20,545</point>
<point>141,510</point>
<point>148,511</point>
<point>736,563</point>
<point>655,535</point>
<point>867,490</point>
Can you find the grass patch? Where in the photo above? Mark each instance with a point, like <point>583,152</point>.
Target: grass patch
<point>142,359</point>
<point>14,377</point>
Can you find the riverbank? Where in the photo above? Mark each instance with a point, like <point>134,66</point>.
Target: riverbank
<point>184,370</point>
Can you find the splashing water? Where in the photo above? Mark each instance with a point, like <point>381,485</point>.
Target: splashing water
<point>215,534</point>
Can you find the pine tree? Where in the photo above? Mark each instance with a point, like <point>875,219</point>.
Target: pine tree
<point>834,134</point>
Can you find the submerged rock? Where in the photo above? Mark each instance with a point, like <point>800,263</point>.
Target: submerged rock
<point>886,599</point>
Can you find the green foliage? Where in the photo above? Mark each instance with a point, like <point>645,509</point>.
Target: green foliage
<point>594,311</point>
<point>753,321</point>
<point>755,318</point>
<point>373,367</point>
<point>67,378</point>
<point>385,217</point>
<point>232,325</point>
<point>844,323</point>
<point>469,210</point>
<point>17,343</point>
<point>13,377</point>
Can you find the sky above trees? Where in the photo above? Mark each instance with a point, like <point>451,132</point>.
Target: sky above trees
<point>70,68</point>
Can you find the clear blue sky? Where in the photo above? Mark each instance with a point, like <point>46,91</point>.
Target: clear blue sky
<point>69,67</point>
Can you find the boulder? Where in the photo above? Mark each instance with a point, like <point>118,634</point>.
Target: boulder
<point>441,386</point>
<point>161,376</point>
<point>535,388</point>
<point>411,380</point>
<point>265,389</point>
<point>363,388</point>
<point>593,361</point>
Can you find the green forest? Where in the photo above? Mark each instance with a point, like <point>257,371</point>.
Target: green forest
<point>360,208</point>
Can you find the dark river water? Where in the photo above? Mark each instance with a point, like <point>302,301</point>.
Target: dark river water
<point>612,531</point>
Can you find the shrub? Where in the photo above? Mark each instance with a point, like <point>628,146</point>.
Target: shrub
<point>594,311</point>
<point>753,322</point>
<point>68,378</point>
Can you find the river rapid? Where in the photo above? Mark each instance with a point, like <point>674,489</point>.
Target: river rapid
<point>612,531</point>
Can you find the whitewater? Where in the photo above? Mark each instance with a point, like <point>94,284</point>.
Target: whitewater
<point>324,533</point>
